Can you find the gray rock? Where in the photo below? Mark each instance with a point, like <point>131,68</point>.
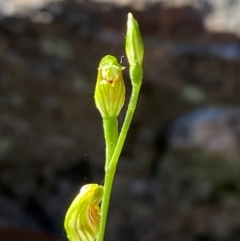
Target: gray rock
<point>212,130</point>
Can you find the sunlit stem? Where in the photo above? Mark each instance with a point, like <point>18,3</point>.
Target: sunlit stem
<point>128,119</point>
<point>110,125</point>
<point>109,177</point>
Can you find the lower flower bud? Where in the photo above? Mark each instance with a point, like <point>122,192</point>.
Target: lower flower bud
<point>82,220</point>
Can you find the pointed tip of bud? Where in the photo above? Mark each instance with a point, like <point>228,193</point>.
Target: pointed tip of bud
<point>82,219</point>
<point>130,16</point>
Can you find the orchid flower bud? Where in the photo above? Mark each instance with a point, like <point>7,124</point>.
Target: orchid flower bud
<point>134,43</point>
<point>82,219</point>
<point>134,50</point>
<point>110,88</point>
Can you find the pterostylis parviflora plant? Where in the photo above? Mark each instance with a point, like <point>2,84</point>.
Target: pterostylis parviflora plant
<point>85,220</point>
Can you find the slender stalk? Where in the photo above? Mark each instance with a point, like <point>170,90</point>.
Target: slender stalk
<point>111,135</point>
<point>105,202</point>
<point>128,119</point>
<point>110,126</point>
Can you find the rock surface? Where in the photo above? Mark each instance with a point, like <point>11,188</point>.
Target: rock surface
<point>213,130</point>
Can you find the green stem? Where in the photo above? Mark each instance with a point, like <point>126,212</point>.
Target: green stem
<point>111,165</point>
<point>110,126</point>
<point>128,119</point>
<point>109,177</point>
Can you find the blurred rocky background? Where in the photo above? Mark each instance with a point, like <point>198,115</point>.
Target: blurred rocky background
<point>179,174</point>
